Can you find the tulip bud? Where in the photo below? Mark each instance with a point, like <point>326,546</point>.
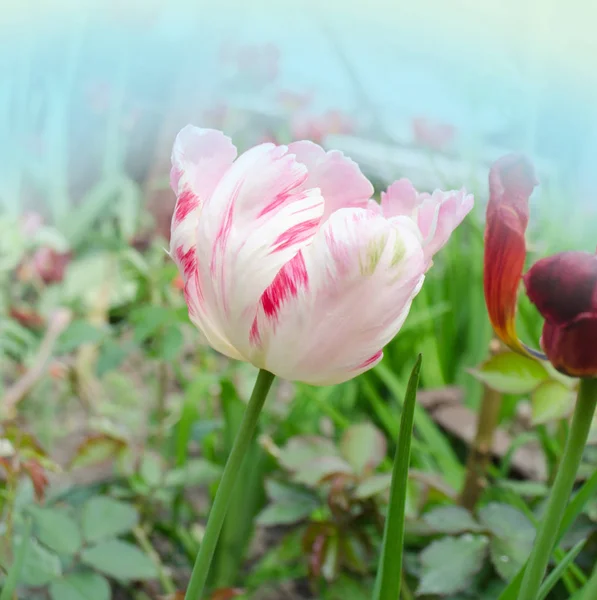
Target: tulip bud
<point>564,290</point>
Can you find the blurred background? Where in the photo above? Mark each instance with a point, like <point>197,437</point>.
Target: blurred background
<point>113,409</point>
<point>93,88</point>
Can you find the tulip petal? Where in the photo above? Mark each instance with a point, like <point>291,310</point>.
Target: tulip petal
<point>339,178</point>
<point>401,198</point>
<point>258,217</point>
<point>564,290</point>
<point>436,214</point>
<point>200,158</point>
<point>439,215</point>
<point>563,286</point>
<point>571,348</point>
<point>340,300</point>
<point>511,182</point>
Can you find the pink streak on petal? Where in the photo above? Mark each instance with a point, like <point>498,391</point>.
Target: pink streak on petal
<point>187,260</point>
<point>370,361</point>
<point>277,202</point>
<point>294,235</point>
<point>254,335</point>
<point>187,201</point>
<point>291,279</point>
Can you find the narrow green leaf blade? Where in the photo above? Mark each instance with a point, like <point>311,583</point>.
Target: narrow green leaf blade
<point>557,573</point>
<point>389,573</point>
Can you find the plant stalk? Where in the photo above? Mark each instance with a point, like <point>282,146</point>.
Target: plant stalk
<point>480,451</point>
<point>562,487</point>
<point>223,495</point>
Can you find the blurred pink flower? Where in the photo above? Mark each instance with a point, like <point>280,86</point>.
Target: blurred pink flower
<point>288,264</point>
<point>49,265</point>
<point>317,127</point>
<point>432,134</point>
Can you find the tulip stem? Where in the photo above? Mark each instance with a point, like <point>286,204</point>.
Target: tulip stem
<point>547,533</point>
<point>224,493</point>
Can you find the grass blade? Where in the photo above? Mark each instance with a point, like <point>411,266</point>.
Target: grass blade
<point>389,574</point>
<point>555,575</point>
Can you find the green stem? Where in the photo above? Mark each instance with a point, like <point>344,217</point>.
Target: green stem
<point>561,490</point>
<point>224,493</point>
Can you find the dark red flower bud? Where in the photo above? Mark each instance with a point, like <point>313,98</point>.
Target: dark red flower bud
<point>564,290</point>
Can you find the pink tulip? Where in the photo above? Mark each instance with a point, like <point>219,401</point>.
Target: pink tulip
<point>287,263</point>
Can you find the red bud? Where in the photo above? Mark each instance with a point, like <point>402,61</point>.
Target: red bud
<point>564,290</point>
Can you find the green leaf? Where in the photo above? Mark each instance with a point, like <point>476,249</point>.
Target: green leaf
<point>303,450</point>
<point>120,560</point>
<point>40,566</point>
<point>97,449</point>
<point>289,505</point>
<point>281,492</point>
<point>148,320</point>
<point>511,373</point>
<point>373,485</point>
<point>195,472</point>
<point>389,572</point>
<point>450,519</point>
<point>103,518</point>
<point>151,469</point>
<point>324,467</point>
<point>56,529</point>
<point>512,539</point>
<point>525,489</point>
<point>111,356</point>
<point>76,334</point>
<point>348,588</point>
<point>170,343</point>
<point>80,586</point>
<point>285,514</point>
<point>449,564</point>
<point>551,401</point>
<point>364,447</point>
<point>98,273</point>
